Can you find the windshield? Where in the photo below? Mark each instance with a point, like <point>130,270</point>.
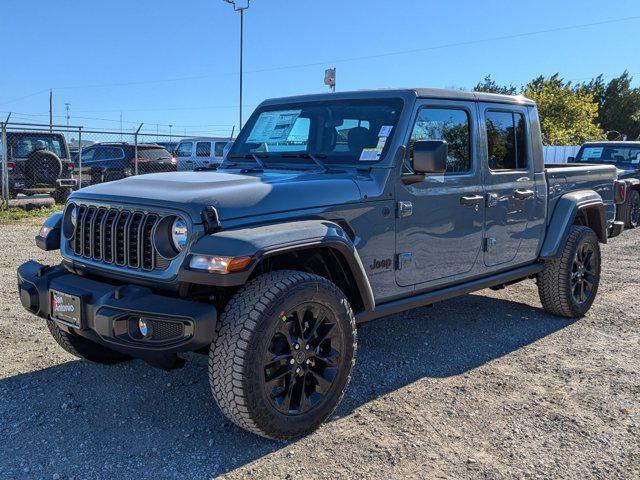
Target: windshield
<point>20,145</point>
<point>609,154</point>
<point>341,131</point>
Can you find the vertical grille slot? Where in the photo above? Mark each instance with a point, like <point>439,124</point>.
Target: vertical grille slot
<point>107,233</point>
<point>133,239</point>
<point>147,252</point>
<point>119,233</point>
<point>114,236</point>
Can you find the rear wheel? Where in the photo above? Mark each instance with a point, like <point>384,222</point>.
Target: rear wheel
<point>83,348</point>
<point>630,210</point>
<point>568,285</point>
<point>283,354</point>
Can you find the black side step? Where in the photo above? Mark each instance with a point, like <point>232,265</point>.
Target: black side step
<point>434,296</point>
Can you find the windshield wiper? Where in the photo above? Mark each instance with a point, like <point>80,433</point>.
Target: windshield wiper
<point>251,156</point>
<point>311,156</point>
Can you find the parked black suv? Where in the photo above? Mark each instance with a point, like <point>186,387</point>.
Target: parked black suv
<point>106,162</point>
<point>625,156</point>
<point>38,162</point>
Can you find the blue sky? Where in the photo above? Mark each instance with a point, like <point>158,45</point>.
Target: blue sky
<point>166,62</point>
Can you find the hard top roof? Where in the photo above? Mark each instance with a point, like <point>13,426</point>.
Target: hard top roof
<point>615,143</point>
<point>407,93</point>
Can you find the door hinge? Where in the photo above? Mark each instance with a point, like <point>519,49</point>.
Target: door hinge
<point>403,260</point>
<point>490,244</point>
<point>405,209</point>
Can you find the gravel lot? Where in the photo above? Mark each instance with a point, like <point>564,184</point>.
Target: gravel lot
<point>485,386</point>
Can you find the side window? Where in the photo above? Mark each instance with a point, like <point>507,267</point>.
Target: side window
<point>88,154</point>
<point>219,149</point>
<point>506,140</point>
<point>451,125</point>
<point>203,149</point>
<point>184,149</point>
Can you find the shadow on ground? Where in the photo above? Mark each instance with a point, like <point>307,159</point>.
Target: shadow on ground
<point>134,421</point>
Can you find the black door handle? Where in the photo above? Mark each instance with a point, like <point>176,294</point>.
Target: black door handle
<point>523,194</point>
<point>471,200</point>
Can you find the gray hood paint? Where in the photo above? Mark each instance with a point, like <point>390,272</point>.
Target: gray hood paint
<point>234,195</point>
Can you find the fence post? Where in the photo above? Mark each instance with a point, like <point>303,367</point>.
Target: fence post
<point>79,157</point>
<point>135,148</point>
<point>5,167</point>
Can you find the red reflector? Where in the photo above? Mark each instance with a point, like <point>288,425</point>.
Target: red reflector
<point>11,166</point>
<point>69,166</point>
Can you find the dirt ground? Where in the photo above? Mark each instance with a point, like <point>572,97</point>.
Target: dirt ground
<point>485,386</point>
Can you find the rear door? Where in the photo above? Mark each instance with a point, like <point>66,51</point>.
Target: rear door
<point>510,184</point>
<point>441,218</point>
<point>203,155</point>
<point>219,151</point>
<point>184,156</point>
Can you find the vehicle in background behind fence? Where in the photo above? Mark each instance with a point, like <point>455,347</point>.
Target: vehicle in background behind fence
<point>87,157</point>
<point>200,153</point>
<point>625,156</point>
<point>106,162</point>
<point>37,162</point>
<point>559,153</point>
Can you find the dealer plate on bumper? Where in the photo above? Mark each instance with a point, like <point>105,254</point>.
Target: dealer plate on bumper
<point>66,308</point>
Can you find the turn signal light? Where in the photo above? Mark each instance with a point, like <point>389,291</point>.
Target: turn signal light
<point>221,265</point>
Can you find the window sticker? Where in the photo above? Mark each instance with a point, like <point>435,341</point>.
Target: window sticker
<point>592,152</point>
<point>382,141</point>
<point>370,154</point>
<point>385,131</point>
<point>273,126</point>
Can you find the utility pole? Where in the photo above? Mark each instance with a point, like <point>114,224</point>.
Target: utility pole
<point>51,110</point>
<point>240,6</point>
<point>66,106</point>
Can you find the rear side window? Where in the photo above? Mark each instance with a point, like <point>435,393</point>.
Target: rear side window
<point>153,153</point>
<point>219,152</point>
<point>506,140</point>
<point>184,149</point>
<point>203,149</point>
<point>451,125</point>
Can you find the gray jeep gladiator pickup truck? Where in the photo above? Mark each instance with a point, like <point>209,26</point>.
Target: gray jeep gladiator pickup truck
<point>328,211</point>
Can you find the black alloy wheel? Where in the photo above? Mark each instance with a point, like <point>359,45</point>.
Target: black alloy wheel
<point>302,359</point>
<point>583,273</point>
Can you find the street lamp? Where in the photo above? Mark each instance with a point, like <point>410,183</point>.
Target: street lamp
<point>240,6</point>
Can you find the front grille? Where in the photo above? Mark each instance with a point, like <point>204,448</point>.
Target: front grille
<point>117,236</point>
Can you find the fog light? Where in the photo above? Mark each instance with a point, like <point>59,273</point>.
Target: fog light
<point>143,327</point>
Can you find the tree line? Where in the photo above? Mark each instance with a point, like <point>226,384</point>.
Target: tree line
<point>573,113</point>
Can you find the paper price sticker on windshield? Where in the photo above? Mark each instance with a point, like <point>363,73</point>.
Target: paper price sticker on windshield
<point>385,131</point>
<point>370,154</point>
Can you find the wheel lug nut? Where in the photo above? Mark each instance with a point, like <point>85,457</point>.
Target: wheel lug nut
<point>292,361</point>
<point>296,346</point>
<point>298,370</point>
<point>308,361</point>
<point>306,347</point>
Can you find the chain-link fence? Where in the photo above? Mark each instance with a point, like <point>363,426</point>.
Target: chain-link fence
<point>52,161</point>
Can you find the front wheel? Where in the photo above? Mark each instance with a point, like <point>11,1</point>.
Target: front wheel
<point>283,354</point>
<point>568,285</point>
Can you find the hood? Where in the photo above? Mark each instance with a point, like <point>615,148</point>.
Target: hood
<point>627,171</point>
<point>233,195</point>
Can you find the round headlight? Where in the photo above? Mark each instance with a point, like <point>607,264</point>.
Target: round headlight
<point>179,233</point>
<point>70,220</point>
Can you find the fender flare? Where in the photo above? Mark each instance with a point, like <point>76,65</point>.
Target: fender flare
<point>564,214</point>
<point>262,242</point>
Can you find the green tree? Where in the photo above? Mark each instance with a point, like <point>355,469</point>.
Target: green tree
<point>568,115</point>
<point>490,86</point>
<point>620,107</point>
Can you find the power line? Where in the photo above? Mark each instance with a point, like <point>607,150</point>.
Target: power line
<point>364,57</point>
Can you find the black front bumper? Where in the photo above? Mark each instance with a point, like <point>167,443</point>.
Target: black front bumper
<point>110,313</point>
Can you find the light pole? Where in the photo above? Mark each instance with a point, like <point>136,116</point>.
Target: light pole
<point>240,6</point>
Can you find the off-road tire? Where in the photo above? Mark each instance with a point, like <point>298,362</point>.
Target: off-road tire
<point>236,371</point>
<point>60,195</point>
<point>628,210</point>
<point>83,348</point>
<point>554,281</point>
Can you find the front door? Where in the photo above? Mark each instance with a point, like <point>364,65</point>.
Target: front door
<point>203,155</point>
<point>440,219</point>
<point>509,182</point>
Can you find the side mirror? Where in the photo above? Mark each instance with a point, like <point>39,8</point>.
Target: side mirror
<point>571,159</point>
<point>429,157</point>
